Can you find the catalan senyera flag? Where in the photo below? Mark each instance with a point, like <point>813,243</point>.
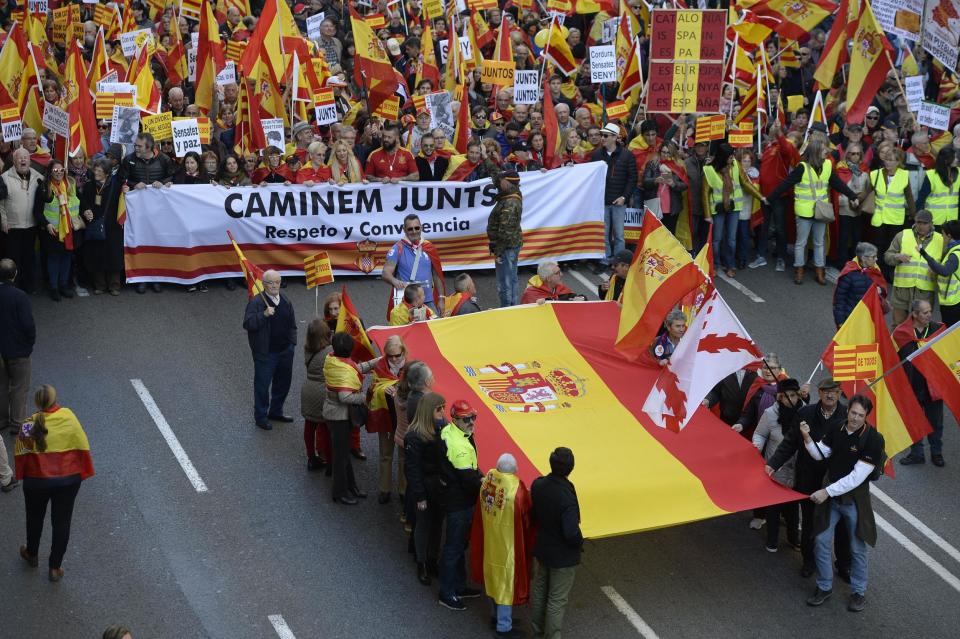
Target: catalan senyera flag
<point>317,270</point>
<point>79,105</point>
<point>141,76</point>
<point>268,41</point>
<point>249,132</point>
<point>868,64</point>
<point>558,50</point>
<point>552,367</point>
<point>896,413</point>
<point>67,452</point>
<point>860,362</point>
<point>210,59</point>
<point>939,362</point>
<point>835,54</point>
<point>349,321</point>
<point>661,274</point>
<point>252,273</point>
<point>793,19</point>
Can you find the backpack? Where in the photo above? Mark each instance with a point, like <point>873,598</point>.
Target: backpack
<point>877,471</point>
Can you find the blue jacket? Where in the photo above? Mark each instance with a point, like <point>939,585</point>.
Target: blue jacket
<point>850,290</point>
<point>17,330</point>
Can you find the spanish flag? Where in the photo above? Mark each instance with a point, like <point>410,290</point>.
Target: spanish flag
<point>897,414</point>
<point>378,417</point>
<point>692,301</point>
<point>341,374</point>
<point>210,59</point>
<point>553,369</point>
<point>835,54</point>
<point>791,23</point>
<point>662,273</point>
<point>83,119</point>
<point>67,452</point>
<point>252,273</point>
<point>558,50</point>
<point>349,322</point>
<point>462,131</point>
<point>427,68</point>
<point>503,52</point>
<point>868,64</point>
<point>141,76</point>
<point>939,362</point>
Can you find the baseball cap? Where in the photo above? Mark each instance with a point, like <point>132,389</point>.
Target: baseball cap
<point>511,176</point>
<point>889,123</point>
<point>461,408</point>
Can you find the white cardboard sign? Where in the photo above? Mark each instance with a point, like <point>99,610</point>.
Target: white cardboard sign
<point>526,87</point>
<point>186,136</point>
<point>55,120</point>
<point>603,64</point>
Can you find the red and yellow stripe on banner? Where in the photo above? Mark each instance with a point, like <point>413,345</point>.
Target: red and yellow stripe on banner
<point>552,378</point>
<point>859,362</point>
<point>175,263</point>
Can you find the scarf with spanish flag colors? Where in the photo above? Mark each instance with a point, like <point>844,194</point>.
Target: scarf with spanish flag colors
<point>452,303</point>
<point>67,452</point>
<point>341,375</point>
<point>64,194</point>
<point>553,366</point>
<point>501,539</point>
<point>378,418</point>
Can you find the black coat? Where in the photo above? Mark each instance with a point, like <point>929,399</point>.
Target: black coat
<point>621,173</point>
<point>422,467</point>
<point>159,168</point>
<point>556,510</point>
<point>439,169</point>
<point>809,471</point>
<point>18,333</point>
<point>731,395</point>
<point>258,326</point>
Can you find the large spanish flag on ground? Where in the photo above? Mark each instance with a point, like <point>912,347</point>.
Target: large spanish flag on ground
<point>551,378</point>
<point>661,275</point>
<point>897,415</point>
<point>939,363</point>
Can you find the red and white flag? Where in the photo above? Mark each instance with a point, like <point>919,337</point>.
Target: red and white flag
<point>715,345</point>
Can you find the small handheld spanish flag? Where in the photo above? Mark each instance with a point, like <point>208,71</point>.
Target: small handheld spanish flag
<point>251,272</point>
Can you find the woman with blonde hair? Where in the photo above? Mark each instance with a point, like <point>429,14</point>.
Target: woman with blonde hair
<point>53,458</point>
<point>423,467</point>
<point>344,165</point>
<point>573,149</point>
<point>56,209</point>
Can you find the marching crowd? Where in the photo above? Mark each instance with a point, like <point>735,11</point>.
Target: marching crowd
<point>876,198</point>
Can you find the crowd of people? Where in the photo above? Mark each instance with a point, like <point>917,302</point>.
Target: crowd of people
<point>876,198</point>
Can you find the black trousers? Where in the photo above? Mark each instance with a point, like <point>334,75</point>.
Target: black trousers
<point>19,247</point>
<point>36,495</point>
<point>344,481</point>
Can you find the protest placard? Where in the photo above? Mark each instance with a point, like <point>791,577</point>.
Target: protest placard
<point>186,136</point>
<point>603,64</point>
<point>526,87</point>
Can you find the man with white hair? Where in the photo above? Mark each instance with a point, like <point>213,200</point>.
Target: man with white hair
<point>548,284</point>
<point>272,332</point>
<point>503,530</point>
<point>564,121</point>
<point>18,188</point>
<point>176,102</point>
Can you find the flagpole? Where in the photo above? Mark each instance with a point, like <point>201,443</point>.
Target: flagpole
<point>896,75</point>
<point>814,371</point>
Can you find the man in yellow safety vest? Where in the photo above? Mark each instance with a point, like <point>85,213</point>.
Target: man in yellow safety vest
<point>912,277</point>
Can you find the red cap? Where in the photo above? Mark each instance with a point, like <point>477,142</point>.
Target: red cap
<point>461,408</point>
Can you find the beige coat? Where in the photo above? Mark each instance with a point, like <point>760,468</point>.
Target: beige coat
<point>16,211</point>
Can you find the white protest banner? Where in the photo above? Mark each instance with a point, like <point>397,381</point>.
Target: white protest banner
<point>914,89</point>
<point>610,29</point>
<point>465,50</point>
<point>128,41</point>
<point>186,136</point>
<point>273,132</point>
<point>562,220</point>
<point>934,116</point>
<point>899,17</point>
<point>125,125</point>
<point>110,78</point>
<point>12,125</point>
<point>55,119</point>
<point>116,87</point>
<point>603,64</point>
<point>941,31</point>
<point>526,87</point>
<point>194,39</point>
<point>325,107</point>
<point>313,25</point>
<point>228,75</point>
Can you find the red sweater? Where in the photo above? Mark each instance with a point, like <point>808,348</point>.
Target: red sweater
<point>777,160</point>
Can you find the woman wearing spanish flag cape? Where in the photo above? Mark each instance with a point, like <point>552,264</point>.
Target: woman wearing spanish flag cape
<point>53,458</point>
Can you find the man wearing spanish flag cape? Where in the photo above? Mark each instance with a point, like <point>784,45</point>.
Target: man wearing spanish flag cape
<point>414,260</point>
<point>501,539</point>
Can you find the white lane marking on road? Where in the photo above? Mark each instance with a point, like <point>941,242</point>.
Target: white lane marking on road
<point>916,523</point>
<point>82,292</point>
<point>168,435</point>
<point>740,287</point>
<point>635,620</point>
<point>580,277</point>
<point>283,630</point>
<point>918,552</point>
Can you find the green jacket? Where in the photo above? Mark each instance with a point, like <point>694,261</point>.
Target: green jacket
<point>503,225</point>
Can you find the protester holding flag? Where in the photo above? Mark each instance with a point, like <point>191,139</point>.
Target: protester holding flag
<point>271,327</point>
<point>948,273</point>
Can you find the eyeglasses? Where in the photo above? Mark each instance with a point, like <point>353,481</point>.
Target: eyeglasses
<point>412,229</point>
<point>272,282</point>
<point>873,117</point>
<point>498,124</point>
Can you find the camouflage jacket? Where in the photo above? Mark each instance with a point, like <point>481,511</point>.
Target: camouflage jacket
<point>503,225</point>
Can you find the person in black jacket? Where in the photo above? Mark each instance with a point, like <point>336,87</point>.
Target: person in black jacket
<point>421,445</point>
<point>145,166</point>
<point>431,166</point>
<point>826,415</point>
<point>621,182</point>
<point>18,334</point>
<point>558,545</point>
<point>272,332</point>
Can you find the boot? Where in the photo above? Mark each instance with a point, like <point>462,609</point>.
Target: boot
<point>798,275</point>
<point>422,574</point>
<point>821,278</point>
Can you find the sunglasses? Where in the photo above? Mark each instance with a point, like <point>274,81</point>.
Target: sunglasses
<point>469,419</point>
<point>412,229</point>
<point>397,356</point>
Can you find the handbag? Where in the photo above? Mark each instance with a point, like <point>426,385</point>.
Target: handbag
<point>869,202</point>
<point>96,229</point>
<point>822,211</point>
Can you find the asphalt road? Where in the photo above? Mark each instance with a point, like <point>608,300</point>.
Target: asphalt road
<point>265,539</point>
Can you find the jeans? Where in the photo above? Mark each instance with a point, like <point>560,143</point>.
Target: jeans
<point>613,218</point>
<point>504,616</point>
<point>841,541</point>
<point>858,549</point>
<point>804,227</point>
<point>507,284</point>
<point>743,241</point>
<point>851,229</point>
<point>36,495</point>
<point>725,238</point>
<point>271,383</point>
<point>549,593</point>
<point>934,413</point>
<point>773,215</point>
<point>453,567</point>
<point>58,270</point>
